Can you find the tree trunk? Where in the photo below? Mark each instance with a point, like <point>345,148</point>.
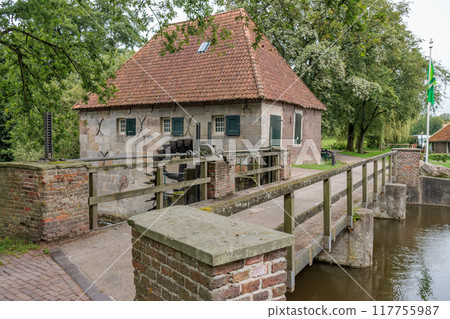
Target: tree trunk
<point>351,137</point>
<point>360,142</point>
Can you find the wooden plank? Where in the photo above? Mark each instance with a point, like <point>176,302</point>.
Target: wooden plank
<point>153,164</point>
<point>256,167</point>
<point>390,169</point>
<point>254,154</point>
<point>327,234</point>
<point>289,228</point>
<point>159,182</point>
<point>93,208</point>
<point>277,164</point>
<point>375,181</point>
<point>394,173</point>
<point>364,186</point>
<point>257,171</point>
<point>234,205</point>
<point>350,198</point>
<point>204,174</point>
<point>383,173</point>
<point>146,191</point>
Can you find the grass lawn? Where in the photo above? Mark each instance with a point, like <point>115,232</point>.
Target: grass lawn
<point>16,246</point>
<point>369,153</point>
<point>324,167</point>
<point>446,164</point>
<point>328,142</point>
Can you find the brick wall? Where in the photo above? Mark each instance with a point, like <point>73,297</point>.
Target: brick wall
<point>43,201</point>
<point>222,179</point>
<point>162,273</point>
<point>408,162</point>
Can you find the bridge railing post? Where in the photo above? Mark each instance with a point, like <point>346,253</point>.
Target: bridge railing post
<point>375,180</point>
<point>390,169</point>
<point>350,198</point>
<point>204,174</point>
<point>364,186</point>
<point>93,209</point>
<point>289,227</point>
<point>383,174</point>
<point>394,173</point>
<point>326,215</point>
<point>159,181</point>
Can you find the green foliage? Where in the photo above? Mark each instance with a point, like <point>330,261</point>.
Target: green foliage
<point>366,154</point>
<point>46,251</point>
<point>436,122</point>
<point>11,246</point>
<point>356,217</point>
<point>439,157</point>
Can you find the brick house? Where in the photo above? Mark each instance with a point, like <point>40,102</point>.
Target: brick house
<point>234,91</point>
<point>440,141</point>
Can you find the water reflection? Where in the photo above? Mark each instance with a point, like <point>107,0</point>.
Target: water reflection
<point>411,259</point>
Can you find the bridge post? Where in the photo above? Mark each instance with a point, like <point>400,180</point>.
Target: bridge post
<point>350,198</point>
<point>390,169</point>
<point>256,165</point>
<point>93,209</point>
<point>394,173</point>
<point>159,195</point>
<point>327,231</point>
<point>204,174</point>
<point>375,180</point>
<point>364,186</point>
<point>383,175</point>
<point>289,228</point>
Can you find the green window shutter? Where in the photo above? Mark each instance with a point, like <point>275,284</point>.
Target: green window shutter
<point>232,125</point>
<point>177,126</point>
<point>131,127</point>
<point>298,129</point>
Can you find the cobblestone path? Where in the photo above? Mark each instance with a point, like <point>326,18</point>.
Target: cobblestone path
<point>35,276</point>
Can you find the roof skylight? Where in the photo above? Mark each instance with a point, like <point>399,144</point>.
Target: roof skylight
<point>203,47</point>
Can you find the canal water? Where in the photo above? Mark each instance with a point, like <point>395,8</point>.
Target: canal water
<point>411,262</point>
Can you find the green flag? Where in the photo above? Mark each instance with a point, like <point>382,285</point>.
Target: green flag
<point>431,83</point>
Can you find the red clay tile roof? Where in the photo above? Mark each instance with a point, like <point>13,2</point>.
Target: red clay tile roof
<point>443,135</point>
<point>241,73</point>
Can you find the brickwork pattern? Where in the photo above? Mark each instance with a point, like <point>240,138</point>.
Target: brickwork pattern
<point>20,213</point>
<point>65,208</point>
<point>222,179</point>
<point>35,276</point>
<point>162,273</point>
<point>44,205</point>
<point>408,163</point>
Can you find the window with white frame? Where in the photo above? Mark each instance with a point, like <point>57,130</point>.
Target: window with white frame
<point>219,124</point>
<point>166,125</point>
<point>122,126</point>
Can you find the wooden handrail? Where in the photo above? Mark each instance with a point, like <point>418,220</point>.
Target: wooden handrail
<point>146,191</point>
<point>247,201</point>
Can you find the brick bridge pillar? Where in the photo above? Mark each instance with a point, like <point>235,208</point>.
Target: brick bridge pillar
<point>189,254</point>
<point>222,175</point>
<point>44,201</point>
<point>408,168</point>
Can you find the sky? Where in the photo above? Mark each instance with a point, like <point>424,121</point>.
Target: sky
<point>431,19</point>
<point>428,19</point>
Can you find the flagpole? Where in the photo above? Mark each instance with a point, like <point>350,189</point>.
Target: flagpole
<point>428,108</point>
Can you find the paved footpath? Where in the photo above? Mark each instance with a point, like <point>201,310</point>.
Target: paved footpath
<point>35,276</point>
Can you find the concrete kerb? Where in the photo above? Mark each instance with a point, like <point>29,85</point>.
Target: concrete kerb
<point>90,289</point>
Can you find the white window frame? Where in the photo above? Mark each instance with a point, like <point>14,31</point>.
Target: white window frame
<point>163,127</point>
<point>215,127</point>
<point>120,127</point>
<point>293,129</point>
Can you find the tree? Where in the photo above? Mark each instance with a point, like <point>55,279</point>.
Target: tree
<point>47,48</point>
<point>436,122</point>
